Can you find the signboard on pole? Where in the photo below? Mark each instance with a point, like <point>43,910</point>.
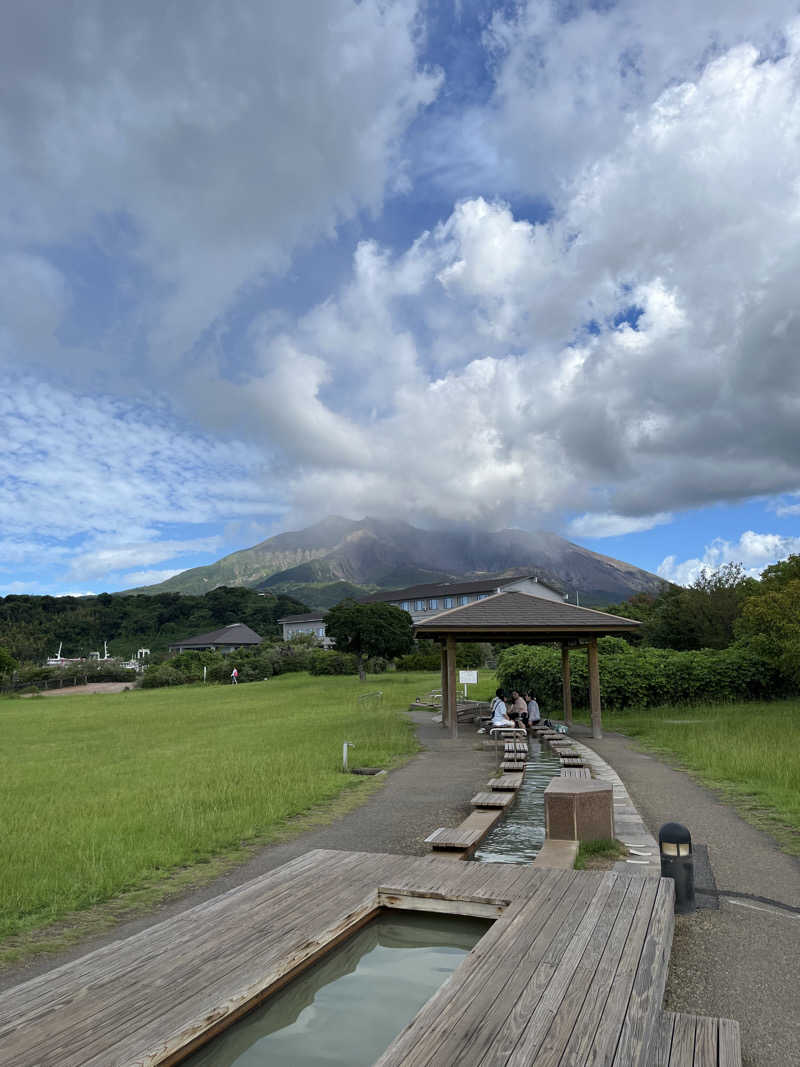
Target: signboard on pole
<point>468,677</point>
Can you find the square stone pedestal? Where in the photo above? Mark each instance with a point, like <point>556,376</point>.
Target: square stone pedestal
<point>579,809</point>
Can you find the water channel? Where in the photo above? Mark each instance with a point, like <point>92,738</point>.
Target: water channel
<point>519,835</point>
<point>348,1008</point>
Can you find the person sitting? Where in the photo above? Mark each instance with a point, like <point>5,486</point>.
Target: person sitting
<point>519,710</point>
<point>499,712</point>
<point>534,715</point>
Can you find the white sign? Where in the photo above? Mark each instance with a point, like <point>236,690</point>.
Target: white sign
<point>468,677</point>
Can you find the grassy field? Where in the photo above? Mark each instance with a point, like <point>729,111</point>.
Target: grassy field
<point>751,752</point>
<point>103,794</point>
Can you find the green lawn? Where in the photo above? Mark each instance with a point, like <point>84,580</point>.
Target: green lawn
<point>103,794</point>
<point>751,752</point>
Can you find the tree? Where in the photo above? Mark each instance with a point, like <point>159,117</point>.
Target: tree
<point>702,615</point>
<point>7,662</point>
<point>366,630</point>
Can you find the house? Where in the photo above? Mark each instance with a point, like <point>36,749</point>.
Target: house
<point>229,638</point>
<point>313,623</point>
<point>424,602</point>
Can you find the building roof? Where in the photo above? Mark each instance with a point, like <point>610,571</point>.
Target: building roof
<point>504,616</point>
<point>234,635</point>
<point>440,589</point>
<point>310,616</point>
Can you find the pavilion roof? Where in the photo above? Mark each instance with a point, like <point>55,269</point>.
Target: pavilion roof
<point>235,635</point>
<point>507,616</point>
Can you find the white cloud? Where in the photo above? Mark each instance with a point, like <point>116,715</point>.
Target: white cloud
<point>607,525</point>
<point>754,551</point>
<point>101,558</point>
<point>152,577</point>
<point>211,147</point>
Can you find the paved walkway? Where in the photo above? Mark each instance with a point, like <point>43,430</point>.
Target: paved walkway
<point>742,961</point>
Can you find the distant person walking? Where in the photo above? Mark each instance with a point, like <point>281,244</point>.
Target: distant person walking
<point>234,676</point>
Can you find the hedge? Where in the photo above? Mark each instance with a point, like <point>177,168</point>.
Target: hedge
<point>640,677</point>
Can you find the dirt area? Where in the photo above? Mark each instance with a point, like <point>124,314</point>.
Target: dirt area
<point>94,687</point>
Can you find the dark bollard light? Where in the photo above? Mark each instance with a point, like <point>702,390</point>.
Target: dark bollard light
<point>677,863</point>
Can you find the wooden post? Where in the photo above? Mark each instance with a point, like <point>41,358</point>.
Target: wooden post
<point>594,689</point>
<point>452,712</point>
<point>565,683</point>
<point>445,701</point>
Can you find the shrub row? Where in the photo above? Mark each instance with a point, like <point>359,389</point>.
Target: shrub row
<point>641,677</point>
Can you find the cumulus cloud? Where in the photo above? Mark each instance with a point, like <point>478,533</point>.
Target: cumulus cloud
<point>623,357</point>
<point>204,149</point>
<point>754,551</point>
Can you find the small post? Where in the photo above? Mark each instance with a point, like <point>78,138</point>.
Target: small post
<point>345,746</point>
<point>204,674</point>
<point>677,863</point>
<point>452,693</point>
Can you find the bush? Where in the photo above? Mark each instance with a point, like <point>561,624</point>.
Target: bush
<point>156,677</point>
<point>641,677</point>
<point>323,662</point>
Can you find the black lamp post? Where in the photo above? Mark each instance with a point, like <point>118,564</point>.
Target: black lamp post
<point>677,863</point>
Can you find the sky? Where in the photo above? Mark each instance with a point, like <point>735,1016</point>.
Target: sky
<point>527,264</point>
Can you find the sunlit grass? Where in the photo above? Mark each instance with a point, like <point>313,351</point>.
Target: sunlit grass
<point>102,794</point>
<point>749,751</point>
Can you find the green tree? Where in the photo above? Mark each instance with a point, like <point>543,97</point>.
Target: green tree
<point>7,662</point>
<point>366,630</point>
<point>702,615</point>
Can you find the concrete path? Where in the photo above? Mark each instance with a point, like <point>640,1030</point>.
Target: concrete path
<point>742,961</point>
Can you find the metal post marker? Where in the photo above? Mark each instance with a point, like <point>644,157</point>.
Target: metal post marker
<point>345,746</point>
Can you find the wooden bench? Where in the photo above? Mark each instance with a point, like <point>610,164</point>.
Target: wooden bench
<point>575,772</point>
<point>571,761</point>
<point>512,765</point>
<point>695,1041</point>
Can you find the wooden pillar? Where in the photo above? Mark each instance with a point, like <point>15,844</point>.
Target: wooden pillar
<point>565,683</point>
<point>445,702</point>
<point>452,713</point>
<point>594,689</point>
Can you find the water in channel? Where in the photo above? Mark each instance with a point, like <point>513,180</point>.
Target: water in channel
<point>348,1008</point>
<point>519,835</point>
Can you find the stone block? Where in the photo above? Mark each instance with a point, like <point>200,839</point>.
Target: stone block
<point>579,809</point>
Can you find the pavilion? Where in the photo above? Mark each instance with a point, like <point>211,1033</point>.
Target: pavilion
<point>524,619</point>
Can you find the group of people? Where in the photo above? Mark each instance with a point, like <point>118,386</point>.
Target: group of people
<point>523,712</point>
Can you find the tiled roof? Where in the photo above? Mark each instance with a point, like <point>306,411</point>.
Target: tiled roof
<point>311,616</point>
<point>440,589</point>
<point>235,634</point>
<point>521,611</point>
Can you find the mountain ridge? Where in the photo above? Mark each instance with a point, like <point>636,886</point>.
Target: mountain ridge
<point>373,554</point>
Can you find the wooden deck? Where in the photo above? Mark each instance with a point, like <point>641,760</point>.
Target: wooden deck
<point>696,1041</point>
<point>572,971</point>
<point>493,799</point>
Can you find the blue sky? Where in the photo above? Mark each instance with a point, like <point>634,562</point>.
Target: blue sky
<point>515,264</point>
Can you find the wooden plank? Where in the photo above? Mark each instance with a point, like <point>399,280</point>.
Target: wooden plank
<point>452,837</point>
<point>506,781</point>
<point>682,1051</point>
<point>493,799</point>
<point>705,1041</point>
<point>662,1043</point>
<point>613,926</point>
<point>608,994</point>
<point>555,1015</point>
<point>575,772</point>
<point>647,992</point>
<point>498,1017</point>
<point>730,1045</point>
<point>507,766</point>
